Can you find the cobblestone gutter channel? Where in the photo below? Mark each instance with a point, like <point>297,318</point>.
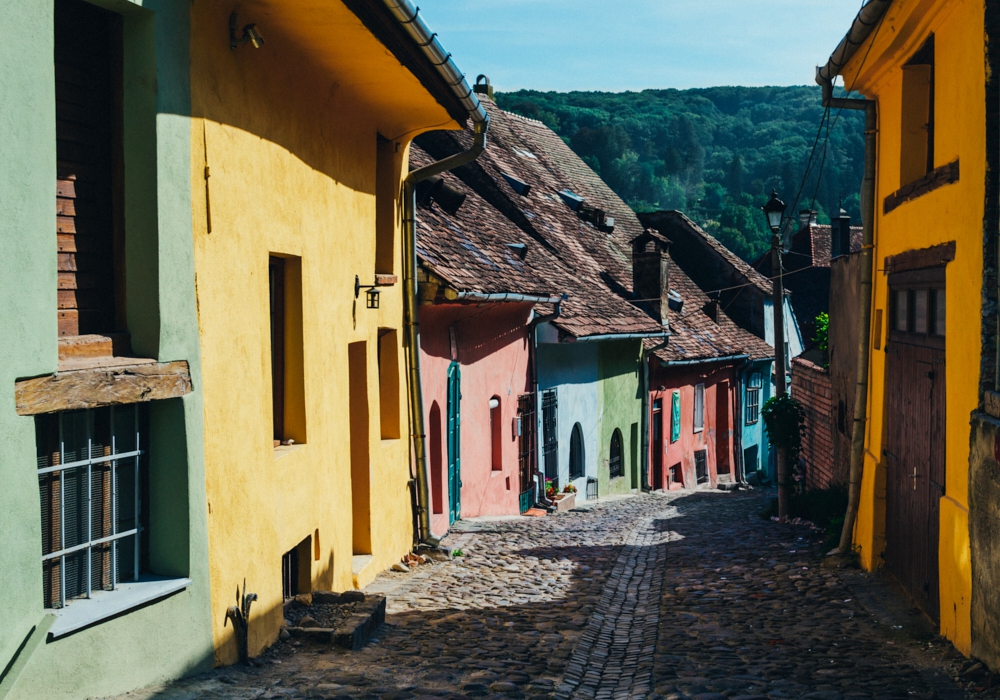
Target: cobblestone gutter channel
<point>660,597</point>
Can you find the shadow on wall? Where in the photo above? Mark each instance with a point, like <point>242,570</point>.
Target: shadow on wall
<point>478,331</point>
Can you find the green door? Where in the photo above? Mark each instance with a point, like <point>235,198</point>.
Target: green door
<point>454,442</point>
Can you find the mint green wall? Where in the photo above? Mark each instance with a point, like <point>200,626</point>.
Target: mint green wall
<point>171,637</point>
<point>619,398</point>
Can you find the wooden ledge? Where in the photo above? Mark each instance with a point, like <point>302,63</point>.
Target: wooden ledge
<point>921,258</point>
<point>95,386</point>
<point>938,177</point>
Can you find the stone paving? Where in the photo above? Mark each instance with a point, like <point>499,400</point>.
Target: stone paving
<point>662,596</point>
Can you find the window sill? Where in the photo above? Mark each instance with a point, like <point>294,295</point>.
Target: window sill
<point>939,177</point>
<point>105,605</point>
<point>285,450</point>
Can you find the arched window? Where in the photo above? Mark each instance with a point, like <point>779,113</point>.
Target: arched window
<point>576,456</point>
<point>496,433</point>
<point>615,465</point>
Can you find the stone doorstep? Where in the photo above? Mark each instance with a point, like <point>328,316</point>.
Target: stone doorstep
<point>354,632</point>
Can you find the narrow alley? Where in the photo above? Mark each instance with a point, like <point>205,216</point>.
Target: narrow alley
<point>680,595</point>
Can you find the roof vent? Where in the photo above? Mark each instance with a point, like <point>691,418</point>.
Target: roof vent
<point>483,87</point>
<point>572,199</point>
<point>519,186</point>
<point>519,249</point>
<point>711,308</point>
<point>674,300</point>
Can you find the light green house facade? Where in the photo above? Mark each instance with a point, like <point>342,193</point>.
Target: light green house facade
<point>57,375</point>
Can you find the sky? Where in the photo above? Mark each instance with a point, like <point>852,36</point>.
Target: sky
<point>620,45</point>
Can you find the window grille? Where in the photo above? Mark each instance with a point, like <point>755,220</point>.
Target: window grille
<point>550,434</point>
<point>699,407</point>
<point>615,463</point>
<point>90,488</point>
<point>753,398</point>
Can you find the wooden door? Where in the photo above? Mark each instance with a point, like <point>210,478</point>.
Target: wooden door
<point>526,449</point>
<point>454,442</point>
<point>722,431</point>
<point>914,450</point>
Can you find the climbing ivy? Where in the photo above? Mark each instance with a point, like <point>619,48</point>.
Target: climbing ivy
<point>822,337</point>
<point>785,421</point>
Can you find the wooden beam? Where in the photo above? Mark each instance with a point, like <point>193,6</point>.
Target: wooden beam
<point>939,177</point>
<point>102,386</point>
<point>935,256</point>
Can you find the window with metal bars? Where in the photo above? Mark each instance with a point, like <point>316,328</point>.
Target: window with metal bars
<point>753,398</point>
<point>615,463</point>
<point>699,408</point>
<point>550,434</point>
<point>91,485</point>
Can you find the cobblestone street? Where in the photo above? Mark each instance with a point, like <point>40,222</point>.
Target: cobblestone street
<point>682,595</point>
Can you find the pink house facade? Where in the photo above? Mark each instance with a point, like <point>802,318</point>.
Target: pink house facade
<point>485,349</point>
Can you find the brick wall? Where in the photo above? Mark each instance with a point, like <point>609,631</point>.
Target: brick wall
<point>811,388</point>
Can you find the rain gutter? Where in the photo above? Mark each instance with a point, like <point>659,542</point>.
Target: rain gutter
<point>509,296</point>
<point>705,360</point>
<point>408,16</point>
<point>622,336</point>
<point>864,24</point>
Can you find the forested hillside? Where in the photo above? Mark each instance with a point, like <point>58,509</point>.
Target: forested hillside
<point>713,153</point>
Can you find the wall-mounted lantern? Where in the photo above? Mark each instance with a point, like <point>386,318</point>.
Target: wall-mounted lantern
<point>251,35</point>
<point>371,295</point>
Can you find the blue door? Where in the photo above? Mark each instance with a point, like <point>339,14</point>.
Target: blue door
<point>454,442</point>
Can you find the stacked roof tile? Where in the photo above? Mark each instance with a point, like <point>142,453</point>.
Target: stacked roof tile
<point>575,232</point>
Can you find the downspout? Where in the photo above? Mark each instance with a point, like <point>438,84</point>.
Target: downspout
<point>407,15</point>
<point>825,79</point>
<point>741,471</point>
<point>644,358</point>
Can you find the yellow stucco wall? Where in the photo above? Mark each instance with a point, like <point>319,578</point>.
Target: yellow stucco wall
<point>950,213</point>
<point>289,135</point>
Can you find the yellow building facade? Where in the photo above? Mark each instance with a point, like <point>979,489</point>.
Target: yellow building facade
<point>923,66</point>
<point>298,149</point>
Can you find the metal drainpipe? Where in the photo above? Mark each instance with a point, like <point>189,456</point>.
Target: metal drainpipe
<point>865,300</point>
<point>740,467</point>
<point>533,349</point>
<point>418,435</point>
<point>644,358</point>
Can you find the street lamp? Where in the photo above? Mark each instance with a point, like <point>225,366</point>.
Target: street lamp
<point>775,211</point>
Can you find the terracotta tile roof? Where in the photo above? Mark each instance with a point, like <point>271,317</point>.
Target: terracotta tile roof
<point>567,250</point>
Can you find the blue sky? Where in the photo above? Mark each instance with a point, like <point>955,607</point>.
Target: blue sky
<point>637,44</point>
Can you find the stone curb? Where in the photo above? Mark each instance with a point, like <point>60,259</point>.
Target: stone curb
<point>354,632</point>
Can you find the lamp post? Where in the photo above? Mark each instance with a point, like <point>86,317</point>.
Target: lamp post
<point>775,211</point>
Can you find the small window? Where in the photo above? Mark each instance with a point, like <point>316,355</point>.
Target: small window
<point>900,312</point>
<point>92,487</point>
<point>920,305</point>
<point>496,435</point>
<point>388,383</point>
<point>576,457</point>
<point>939,309</point>
<point>386,185</point>
<point>699,408</point>
<point>753,398</point>
<point>917,119</point>
<point>615,463</point>
<point>287,371</point>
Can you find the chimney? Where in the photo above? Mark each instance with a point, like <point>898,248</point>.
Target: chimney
<point>807,217</point>
<point>651,273</point>
<point>840,235</point>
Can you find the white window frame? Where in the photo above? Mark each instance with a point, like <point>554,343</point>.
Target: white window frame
<point>699,408</point>
<point>752,403</point>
